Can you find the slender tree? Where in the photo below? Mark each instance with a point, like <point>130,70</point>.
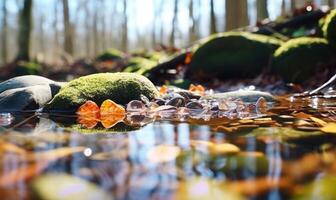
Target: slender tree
<point>68,32</point>
<point>25,26</point>
<point>174,25</point>
<point>236,14</point>
<point>213,22</point>
<point>95,29</point>
<point>4,32</point>
<point>192,20</point>
<point>262,12</point>
<point>124,38</point>
<point>56,33</point>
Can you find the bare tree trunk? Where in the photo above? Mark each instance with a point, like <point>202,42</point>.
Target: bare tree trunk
<point>283,7</point>
<point>156,15</point>
<point>292,5</point>
<point>87,28</point>
<point>174,24</point>
<point>192,27</point>
<point>68,32</point>
<point>213,23</point>
<point>25,26</point>
<point>103,24</point>
<point>124,39</point>
<point>4,32</point>
<point>236,14</point>
<point>42,35</point>
<point>56,32</point>
<point>95,29</point>
<point>262,12</point>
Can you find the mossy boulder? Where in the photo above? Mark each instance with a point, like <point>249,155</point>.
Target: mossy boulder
<point>140,65</point>
<point>119,87</point>
<point>28,68</point>
<point>298,59</point>
<point>329,27</point>
<point>233,55</point>
<point>110,54</point>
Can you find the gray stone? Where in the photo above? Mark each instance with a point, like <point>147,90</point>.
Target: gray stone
<point>27,92</point>
<point>245,95</point>
<point>24,81</point>
<point>27,98</point>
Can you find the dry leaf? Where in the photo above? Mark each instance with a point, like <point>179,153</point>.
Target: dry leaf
<point>318,121</point>
<point>89,109</point>
<point>329,128</point>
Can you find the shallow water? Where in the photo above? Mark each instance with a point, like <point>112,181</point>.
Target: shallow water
<point>279,156</point>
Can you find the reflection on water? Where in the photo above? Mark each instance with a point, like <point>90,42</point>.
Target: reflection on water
<point>165,160</point>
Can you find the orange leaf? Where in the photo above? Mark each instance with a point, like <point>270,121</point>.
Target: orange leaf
<point>197,88</point>
<point>88,122</point>
<point>111,113</point>
<point>188,57</point>
<point>109,107</point>
<point>163,89</point>
<point>89,109</point>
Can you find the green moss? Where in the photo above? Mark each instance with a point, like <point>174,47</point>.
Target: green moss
<point>234,54</point>
<point>140,65</point>
<point>329,27</point>
<point>322,188</point>
<point>110,54</point>
<point>298,59</point>
<point>28,68</point>
<point>119,87</point>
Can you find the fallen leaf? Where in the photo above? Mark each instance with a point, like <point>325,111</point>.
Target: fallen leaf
<point>109,108</point>
<point>329,128</point>
<point>89,109</point>
<point>318,121</point>
<point>302,115</point>
<point>163,90</point>
<point>197,89</point>
<point>111,113</point>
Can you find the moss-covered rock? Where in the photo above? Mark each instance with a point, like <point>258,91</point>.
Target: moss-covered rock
<point>329,27</point>
<point>27,68</point>
<point>119,87</point>
<point>233,55</point>
<point>110,54</point>
<point>298,59</point>
<point>140,65</point>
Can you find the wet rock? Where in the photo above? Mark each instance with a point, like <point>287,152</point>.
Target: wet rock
<point>244,95</point>
<point>298,59</point>
<point>119,87</point>
<point>27,98</point>
<point>159,101</point>
<point>177,101</point>
<point>194,105</point>
<point>25,81</point>
<point>188,95</point>
<point>66,187</point>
